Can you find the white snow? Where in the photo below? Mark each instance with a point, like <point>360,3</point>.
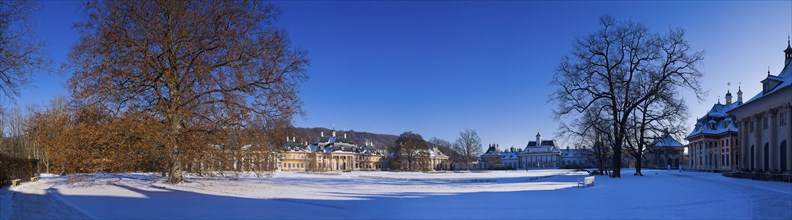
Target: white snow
<point>400,195</point>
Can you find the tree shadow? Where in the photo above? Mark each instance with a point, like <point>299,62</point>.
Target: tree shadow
<point>174,203</point>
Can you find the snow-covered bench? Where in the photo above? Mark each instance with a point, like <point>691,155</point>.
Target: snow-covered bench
<point>586,181</point>
<point>16,182</point>
<point>34,179</point>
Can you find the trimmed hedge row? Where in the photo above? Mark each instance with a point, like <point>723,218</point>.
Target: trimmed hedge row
<point>16,168</point>
<point>760,176</point>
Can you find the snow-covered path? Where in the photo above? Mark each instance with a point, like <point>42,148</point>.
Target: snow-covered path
<point>31,201</point>
<point>499,194</point>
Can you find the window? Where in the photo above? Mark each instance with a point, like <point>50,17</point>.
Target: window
<point>723,160</point>
<point>782,120</point>
<point>765,122</point>
<point>753,125</point>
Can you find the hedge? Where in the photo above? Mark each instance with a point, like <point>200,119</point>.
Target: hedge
<point>760,176</point>
<point>16,168</point>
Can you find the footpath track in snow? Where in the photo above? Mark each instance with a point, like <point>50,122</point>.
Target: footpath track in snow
<point>32,201</point>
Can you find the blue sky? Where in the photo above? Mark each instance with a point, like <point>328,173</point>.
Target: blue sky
<point>438,67</point>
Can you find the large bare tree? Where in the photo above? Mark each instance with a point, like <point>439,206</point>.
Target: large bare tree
<point>196,65</point>
<point>616,69</point>
<point>468,144</point>
<point>19,51</point>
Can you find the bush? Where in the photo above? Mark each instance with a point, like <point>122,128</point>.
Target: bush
<point>16,168</point>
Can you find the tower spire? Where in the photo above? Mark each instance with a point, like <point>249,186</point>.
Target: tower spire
<point>728,94</point>
<point>788,52</point>
<point>739,92</point>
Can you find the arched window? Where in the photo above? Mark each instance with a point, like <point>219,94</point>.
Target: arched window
<point>784,157</point>
<point>752,158</point>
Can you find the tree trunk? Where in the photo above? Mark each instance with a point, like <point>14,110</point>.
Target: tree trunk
<point>617,159</point>
<point>638,162</point>
<point>175,170</point>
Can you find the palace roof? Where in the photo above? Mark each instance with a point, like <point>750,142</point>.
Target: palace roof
<point>716,121</point>
<point>784,79</point>
<point>667,141</point>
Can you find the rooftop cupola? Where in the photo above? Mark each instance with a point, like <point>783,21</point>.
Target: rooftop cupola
<point>788,53</point>
<point>538,139</point>
<point>739,94</point>
<point>728,97</point>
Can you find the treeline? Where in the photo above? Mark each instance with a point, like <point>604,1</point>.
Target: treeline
<point>70,139</point>
<point>165,86</point>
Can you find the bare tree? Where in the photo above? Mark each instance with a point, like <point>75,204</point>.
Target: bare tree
<point>468,144</point>
<point>19,50</point>
<point>17,122</point>
<point>592,129</point>
<point>198,66</point>
<point>605,68</point>
<point>656,116</point>
<point>408,149</point>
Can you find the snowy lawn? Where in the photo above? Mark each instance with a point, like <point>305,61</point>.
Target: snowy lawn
<point>398,195</point>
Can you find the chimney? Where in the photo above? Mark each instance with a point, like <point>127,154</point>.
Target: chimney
<point>321,134</point>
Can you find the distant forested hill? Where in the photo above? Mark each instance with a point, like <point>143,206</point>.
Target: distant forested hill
<point>380,141</point>
<point>360,138</point>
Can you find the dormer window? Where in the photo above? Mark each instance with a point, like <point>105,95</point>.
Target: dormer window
<point>770,83</point>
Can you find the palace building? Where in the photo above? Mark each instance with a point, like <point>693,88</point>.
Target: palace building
<point>494,158</point>
<point>540,154</point>
<point>536,154</point>
<point>712,145</point>
<point>577,157</point>
<point>764,126</point>
<point>329,154</point>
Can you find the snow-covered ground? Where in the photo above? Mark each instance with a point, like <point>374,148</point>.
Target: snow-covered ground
<point>393,195</point>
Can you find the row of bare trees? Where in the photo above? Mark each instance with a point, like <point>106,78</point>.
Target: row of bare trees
<point>414,150</point>
<point>160,86</point>
<point>619,89</point>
